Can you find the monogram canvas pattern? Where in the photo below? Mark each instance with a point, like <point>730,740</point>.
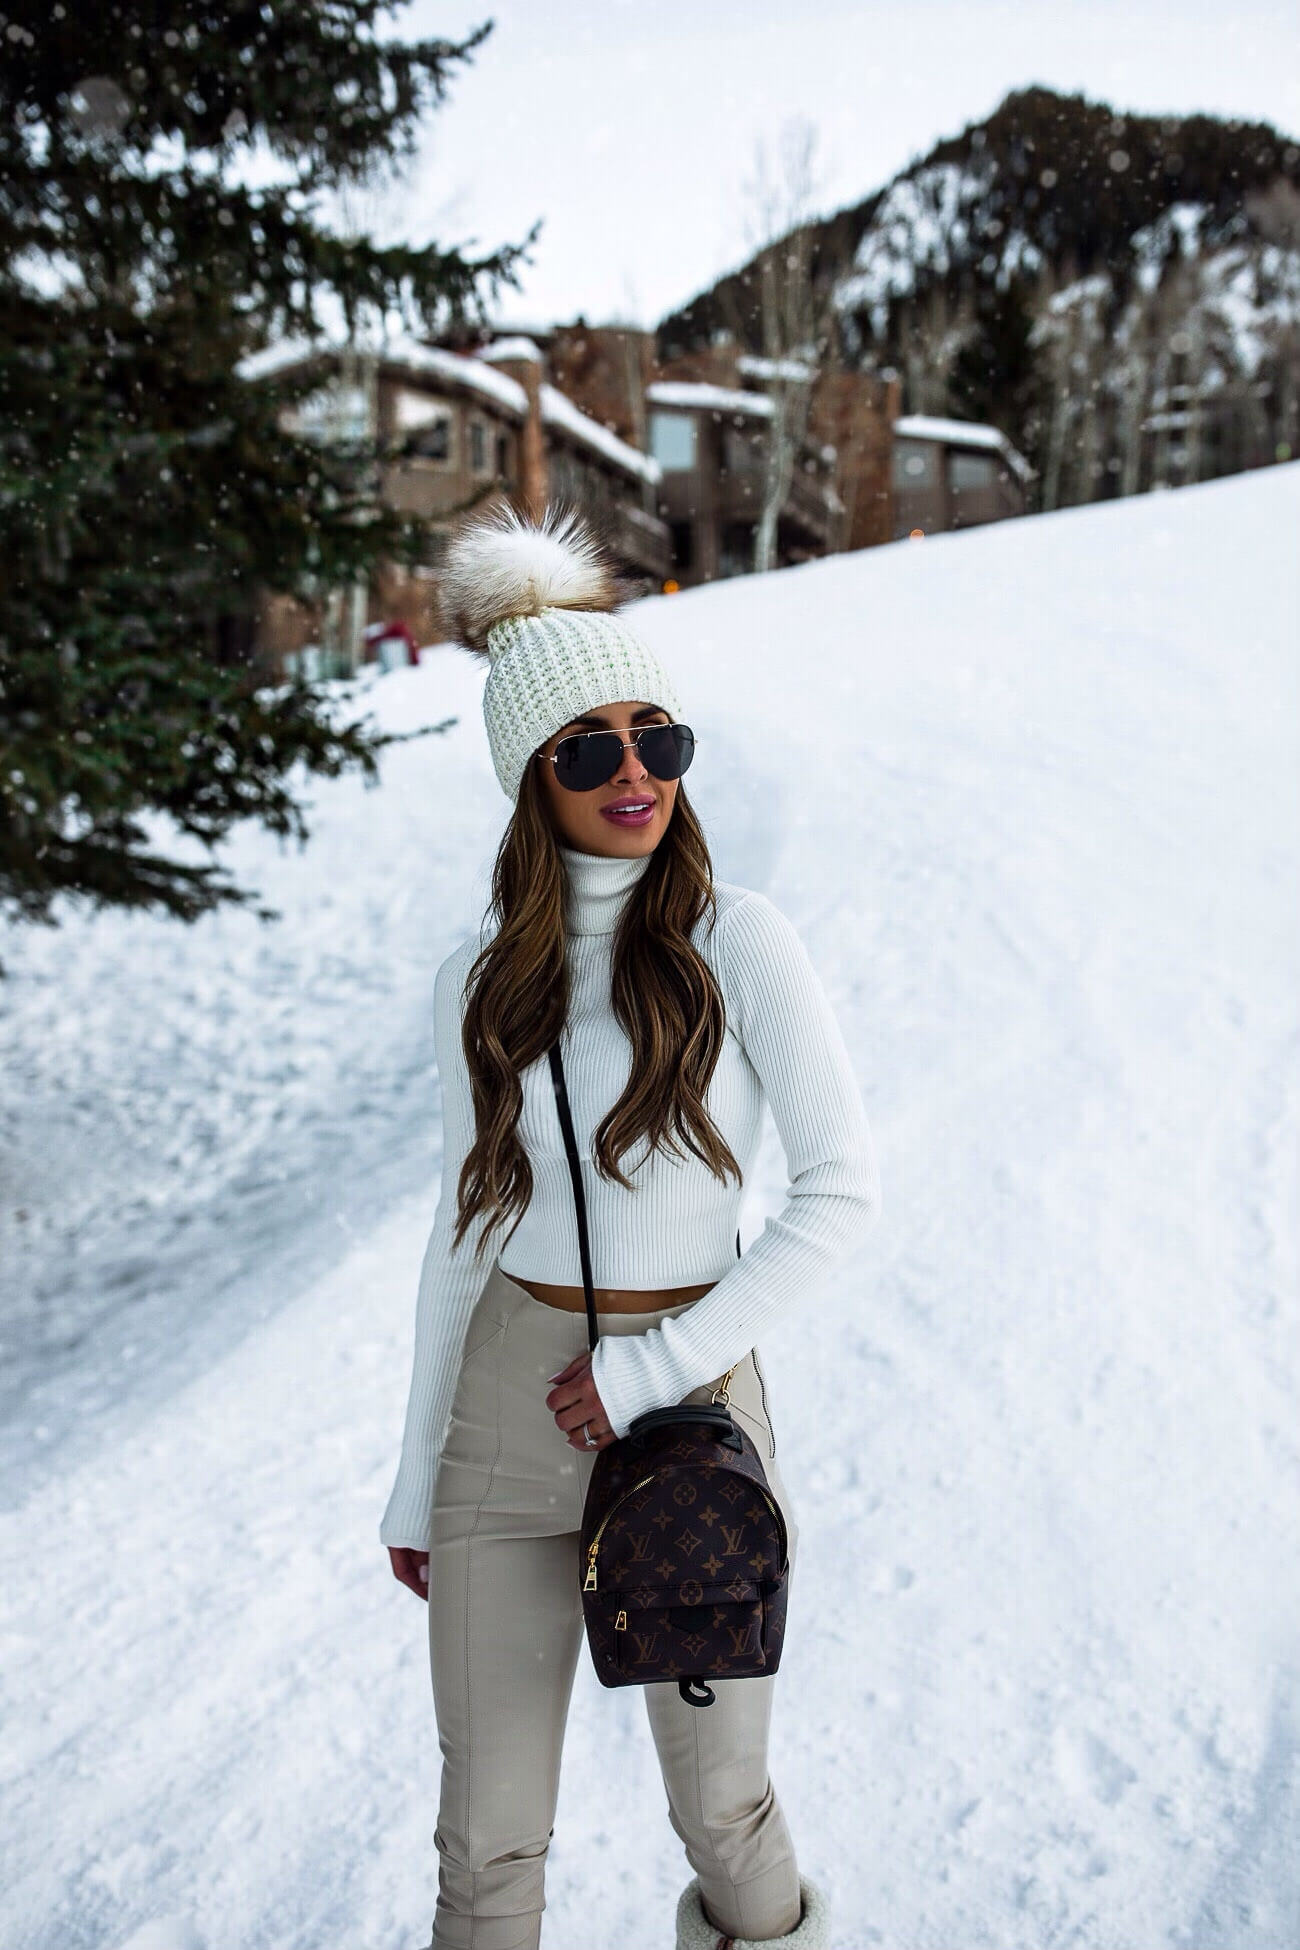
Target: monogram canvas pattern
<point>689,1573</point>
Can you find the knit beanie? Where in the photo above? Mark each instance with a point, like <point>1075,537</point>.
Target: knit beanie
<point>539,601</point>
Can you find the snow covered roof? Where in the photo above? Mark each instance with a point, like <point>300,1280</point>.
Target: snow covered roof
<point>429,361</point>
<point>459,371</point>
<point>961,433</point>
<point>558,410</point>
<point>958,433</point>
<point>703,398</point>
<point>757,368</point>
<point>279,357</point>
<point>476,374</point>
<point>517,347</point>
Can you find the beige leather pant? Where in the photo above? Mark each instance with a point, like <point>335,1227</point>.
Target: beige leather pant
<point>505,1632</point>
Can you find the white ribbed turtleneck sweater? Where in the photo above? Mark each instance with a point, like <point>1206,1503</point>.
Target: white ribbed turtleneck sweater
<point>678,1226</point>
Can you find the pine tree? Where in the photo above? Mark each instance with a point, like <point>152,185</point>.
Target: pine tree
<point>996,377</point>
<point>165,171</point>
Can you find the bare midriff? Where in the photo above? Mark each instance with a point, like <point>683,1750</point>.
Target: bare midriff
<point>613,1300</point>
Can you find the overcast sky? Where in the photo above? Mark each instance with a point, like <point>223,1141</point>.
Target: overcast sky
<point>630,126</point>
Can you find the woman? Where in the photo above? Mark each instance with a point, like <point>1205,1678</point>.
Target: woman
<point>681,1004</point>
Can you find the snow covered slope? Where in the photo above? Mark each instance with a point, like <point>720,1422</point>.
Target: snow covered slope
<point>1030,794</point>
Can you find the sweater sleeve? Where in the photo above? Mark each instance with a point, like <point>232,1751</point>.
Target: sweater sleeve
<point>450,1281</point>
<point>777,1005</point>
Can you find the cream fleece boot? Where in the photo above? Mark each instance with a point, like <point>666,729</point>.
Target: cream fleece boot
<point>695,1932</point>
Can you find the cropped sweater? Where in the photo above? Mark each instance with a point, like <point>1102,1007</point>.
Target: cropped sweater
<point>678,1225</point>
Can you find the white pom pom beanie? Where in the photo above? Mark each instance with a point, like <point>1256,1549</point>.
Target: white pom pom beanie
<point>537,599</point>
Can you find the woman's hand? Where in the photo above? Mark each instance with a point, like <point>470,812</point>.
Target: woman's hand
<point>574,1401</point>
<point>411,1567</point>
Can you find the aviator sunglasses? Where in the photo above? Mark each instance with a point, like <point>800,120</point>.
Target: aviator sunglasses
<point>586,759</point>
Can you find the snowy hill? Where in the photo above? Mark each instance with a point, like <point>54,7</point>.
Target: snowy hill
<point>1118,292</point>
<point>1030,794</point>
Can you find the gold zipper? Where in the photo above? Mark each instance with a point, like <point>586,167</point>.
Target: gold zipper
<point>771,1503</point>
<point>594,1546</point>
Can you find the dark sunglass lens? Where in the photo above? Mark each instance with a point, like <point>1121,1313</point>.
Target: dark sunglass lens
<point>667,749</point>
<point>587,759</point>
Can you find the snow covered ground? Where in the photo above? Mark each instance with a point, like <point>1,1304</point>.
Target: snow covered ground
<point>1030,794</point>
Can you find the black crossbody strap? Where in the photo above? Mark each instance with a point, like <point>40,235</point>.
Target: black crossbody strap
<point>579,1198</point>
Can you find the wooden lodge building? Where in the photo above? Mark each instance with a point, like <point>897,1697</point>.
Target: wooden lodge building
<point>953,474</point>
<point>705,417</point>
<point>666,460</point>
<point>451,426</point>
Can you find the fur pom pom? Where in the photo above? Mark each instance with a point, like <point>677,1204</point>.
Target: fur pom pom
<point>501,564</point>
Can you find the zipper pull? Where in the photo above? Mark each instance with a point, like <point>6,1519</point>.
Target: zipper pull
<point>620,1623</point>
<point>590,1584</point>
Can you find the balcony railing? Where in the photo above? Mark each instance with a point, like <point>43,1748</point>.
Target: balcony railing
<point>812,504</point>
<point>643,539</point>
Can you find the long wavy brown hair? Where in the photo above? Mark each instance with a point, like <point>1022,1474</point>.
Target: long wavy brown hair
<point>661,989</point>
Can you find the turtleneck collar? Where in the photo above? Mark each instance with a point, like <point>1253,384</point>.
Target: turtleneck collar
<point>598,884</point>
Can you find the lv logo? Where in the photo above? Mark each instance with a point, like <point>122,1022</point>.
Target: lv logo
<point>731,1544</point>
<point>739,1637</point>
<point>640,1551</point>
<point>645,1646</point>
